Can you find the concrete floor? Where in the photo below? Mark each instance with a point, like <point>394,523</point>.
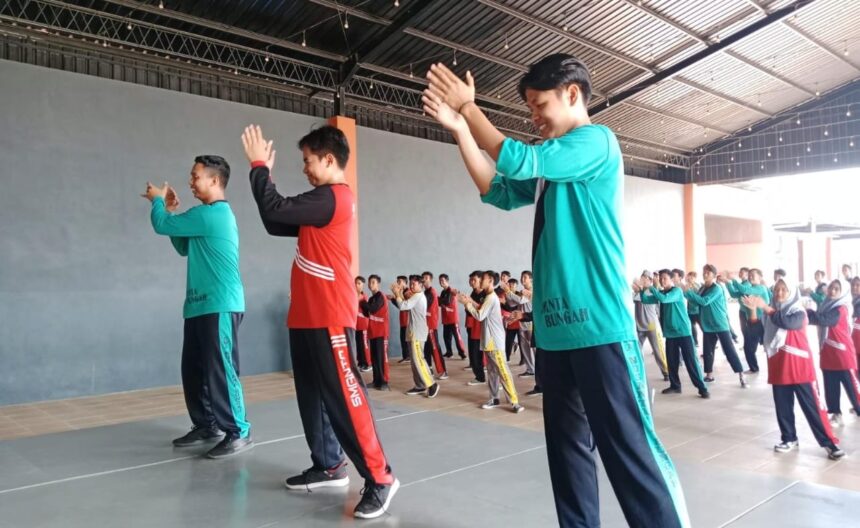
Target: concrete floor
<point>459,465</point>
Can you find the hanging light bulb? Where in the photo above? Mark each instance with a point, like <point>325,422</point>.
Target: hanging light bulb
<point>732,158</point>
<point>768,153</point>
<point>304,41</point>
<point>780,138</point>
<point>762,166</point>
<point>564,27</point>
<point>396,3</point>
<point>266,59</point>
<point>797,163</point>
<point>835,159</point>
<point>851,142</point>
<point>740,144</point>
<point>411,76</point>
<point>826,132</point>
<point>128,27</point>
<point>345,21</point>
<point>808,148</point>
<point>798,121</point>
<point>160,4</point>
<point>507,46</point>
<point>848,112</point>
<point>455,58</point>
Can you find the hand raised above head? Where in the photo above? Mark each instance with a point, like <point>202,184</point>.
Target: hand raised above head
<point>450,89</point>
<point>257,148</point>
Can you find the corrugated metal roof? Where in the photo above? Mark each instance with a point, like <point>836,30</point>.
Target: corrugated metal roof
<point>622,41</point>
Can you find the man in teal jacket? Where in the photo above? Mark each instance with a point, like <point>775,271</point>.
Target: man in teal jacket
<point>214,305</point>
<point>714,318</point>
<point>753,330</point>
<point>595,386</point>
<point>676,328</point>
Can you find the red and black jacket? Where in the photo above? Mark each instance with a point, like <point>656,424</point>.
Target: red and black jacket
<point>792,364</point>
<point>361,323</point>
<point>448,305</point>
<point>321,284</point>
<point>432,308</point>
<point>377,313</point>
<point>837,350</point>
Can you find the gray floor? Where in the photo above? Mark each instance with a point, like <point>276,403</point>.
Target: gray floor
<point>455,472</point>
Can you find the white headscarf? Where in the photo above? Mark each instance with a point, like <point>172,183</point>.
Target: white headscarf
<point>774,336</point>
<point>842,300</point>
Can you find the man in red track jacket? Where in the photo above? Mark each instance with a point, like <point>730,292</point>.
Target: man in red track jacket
<point>331,395</point>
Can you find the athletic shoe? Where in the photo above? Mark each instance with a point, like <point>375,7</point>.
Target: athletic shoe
<point>517,408</point>
<point>449,355</point>
<point>404,360</point>
<point>232,444</point>
<point>319,478</point>
<point>375,499</point>
<point>834,453</point>
<point>442,376</point>
<point>750,371</point>
<point>534,392</point>
<point>366,369</point>
<point>198,436</point>
<point>527,375</point>
<point>433,390</point>
<point>709,379</point>
<point>670,390</point>
<point>785,447</point>
<point>414,391</point>
<point>384,387</point>
<point>742,380</point>
<point>462,357</point>
<point>468,367</point>
<point>704,394</point>
<point>836,419</point>
<point>475,381</point>
<point>491,404</point>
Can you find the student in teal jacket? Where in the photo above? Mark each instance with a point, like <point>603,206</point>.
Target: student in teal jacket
<point>714,319</point>
<point>753,330</point>
<point>594,385</point>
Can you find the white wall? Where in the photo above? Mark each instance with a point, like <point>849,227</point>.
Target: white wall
<point>653,225</point>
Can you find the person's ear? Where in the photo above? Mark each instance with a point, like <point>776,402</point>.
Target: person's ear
<point>573,94</point>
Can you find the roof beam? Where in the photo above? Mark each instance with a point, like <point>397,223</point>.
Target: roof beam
<point>677,117</point>
<point>806,36</point>
<point>466,49</point>
<point>232,30</point>
<point>676,69</point>
<point>370,49</point>
<point>351,11</point>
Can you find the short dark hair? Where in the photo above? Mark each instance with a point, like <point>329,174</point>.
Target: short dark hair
<point>557,71</point>
<point>443,276</point>
<point>374,276</point>
<point>709,267</point>
<point>475,273</point>
<point>513,281</point>
<point>846,266</point>
<point>359,278</point>
<point>744,269</point>
<point>427,273</point>
<point>665,272</point>
<point>779,272</point>
<point>216,164</point>
<point>819,272</point>
<point>492,274</point>
<point>415,278</point>
<point>526,273</point>
<point>506,272</point>
<point>404,278</point>
<point>678,272</point>
<point>756,271</point>
<point>327,140</point>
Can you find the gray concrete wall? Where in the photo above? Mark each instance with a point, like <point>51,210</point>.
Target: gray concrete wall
<point>91,298</point>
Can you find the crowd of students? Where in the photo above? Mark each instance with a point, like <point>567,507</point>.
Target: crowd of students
<point>498,322</point>
<point>775,318</point>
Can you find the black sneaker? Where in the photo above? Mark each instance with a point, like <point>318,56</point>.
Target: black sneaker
<point>319,478</point>
<point>670,390</point>
<point>433,390</point>
<point>704,394</point>
<point>527,374</point>
<point>198,436</point>
<point>375,499</point>
<point>404,360</point>
<point>384,387</point>
<point>534,392</point>
<point>414,391</point>
<point>449,355</point>
<point>231,445</point>
<point>709,379</point>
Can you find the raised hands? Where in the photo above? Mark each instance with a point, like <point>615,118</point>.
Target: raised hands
<point>153,192</point>
<point>171,199</point>
<point>257,148</point>
<point>449,88</point>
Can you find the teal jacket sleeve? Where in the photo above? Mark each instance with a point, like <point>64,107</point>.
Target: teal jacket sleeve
<point>703,300</point>
<point>188,224</point>
<point>647,298</point>
<point>509,194</point>
<point>576,156</point>
<point>180,244</point>
<point>674,295</point>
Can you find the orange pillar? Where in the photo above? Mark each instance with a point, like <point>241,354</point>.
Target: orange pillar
<point>347,126</point>
<point>689,228</point>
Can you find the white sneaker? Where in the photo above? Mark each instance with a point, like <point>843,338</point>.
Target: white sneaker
<point>785,447</point>
<point>836,420</point>
<point>476,382</point>
<point>517,408</point>
<point>834,453</point>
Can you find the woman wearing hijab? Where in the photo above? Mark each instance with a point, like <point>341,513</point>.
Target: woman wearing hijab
<point>855,331</point>
<point>838,356</point>
<point>790,368</point>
